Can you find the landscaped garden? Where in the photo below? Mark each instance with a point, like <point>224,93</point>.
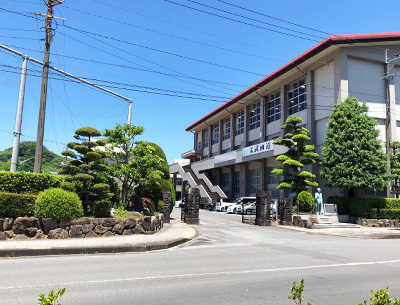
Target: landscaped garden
<point>93,194</point>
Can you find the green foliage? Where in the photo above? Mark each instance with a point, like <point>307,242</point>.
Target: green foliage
<point>296,293</point>
<point>51,162</point>
<point>385,214</point>
<point>87,171</point>
<point>381,297</point>
<point>102,208</point>
<point>364,206</point>
<point>155,188</point>
<point>59,204</point>
<point>53,298</point>
<point>28,183</point>
<point>16,205</point>
<point>395,165</point>
<point>136,163</point>
<point>298,155</point>
<point>305,200</point>
<point>352,153</point>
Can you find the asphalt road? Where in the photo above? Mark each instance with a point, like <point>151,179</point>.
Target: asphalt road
<point>229,263</point>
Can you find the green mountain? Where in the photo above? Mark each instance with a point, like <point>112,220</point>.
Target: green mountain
<point>51,162</point>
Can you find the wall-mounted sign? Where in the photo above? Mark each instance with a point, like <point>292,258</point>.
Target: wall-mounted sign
<point>257,148</point>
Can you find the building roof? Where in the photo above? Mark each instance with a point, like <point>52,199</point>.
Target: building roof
<point>326,43</point>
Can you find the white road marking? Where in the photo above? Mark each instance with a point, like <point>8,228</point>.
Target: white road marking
<point>194,275</point>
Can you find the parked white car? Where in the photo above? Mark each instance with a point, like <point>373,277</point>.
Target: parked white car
<point>223,204</point>
<point>233,208</point>
<point>246,206</point>
<point>177,203</point>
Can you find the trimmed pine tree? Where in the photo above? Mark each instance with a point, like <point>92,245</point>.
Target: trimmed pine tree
<point>352,155</point>
<point>85,172</point>
<point>298,155</point>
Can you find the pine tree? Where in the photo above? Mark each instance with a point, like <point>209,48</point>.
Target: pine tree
<point>84,171</point>
<point>352,153</point>
<point>298,155</point>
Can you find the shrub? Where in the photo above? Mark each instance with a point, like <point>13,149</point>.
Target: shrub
<point>59,204</point>
<point>24,182</point>
<point>160,206</point>
<point>361,206</point>
<point>385,213</point>
<point>16,205</point>
<point>306,200</point>
<point>102,208</point>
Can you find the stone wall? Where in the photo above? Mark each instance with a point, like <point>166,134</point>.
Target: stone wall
<point>377,222</point>
<point>34,228</point>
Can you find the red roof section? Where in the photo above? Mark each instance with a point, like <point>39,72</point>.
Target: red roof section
<point>331,40</point>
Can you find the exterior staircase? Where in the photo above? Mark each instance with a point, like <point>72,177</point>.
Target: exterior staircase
<point>207,190</point>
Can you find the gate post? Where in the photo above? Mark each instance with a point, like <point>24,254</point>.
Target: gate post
<point>285,211</point>
<point>166,198</point>
<point>192,206</point>
<point>263,208</point>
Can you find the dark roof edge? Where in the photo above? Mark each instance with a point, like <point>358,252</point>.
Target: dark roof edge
<point>326,43</point>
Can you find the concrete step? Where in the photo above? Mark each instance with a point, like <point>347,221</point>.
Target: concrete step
<point>340,225</point>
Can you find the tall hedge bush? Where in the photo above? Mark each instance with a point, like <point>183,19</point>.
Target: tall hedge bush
<point>59,204</point>
<point>16,205</point>
<point>28,183</point>
<point>362,206</point>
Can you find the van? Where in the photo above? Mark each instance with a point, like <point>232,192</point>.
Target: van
<point>223,203</point>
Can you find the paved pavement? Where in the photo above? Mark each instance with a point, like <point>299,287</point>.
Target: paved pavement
<point>173,234</point>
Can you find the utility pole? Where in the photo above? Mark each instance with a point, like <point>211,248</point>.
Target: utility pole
<point>389,107</point>
<point>43,93</point>
<point>17,132</point>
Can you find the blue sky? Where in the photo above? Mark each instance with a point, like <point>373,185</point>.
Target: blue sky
<point>193,60</point>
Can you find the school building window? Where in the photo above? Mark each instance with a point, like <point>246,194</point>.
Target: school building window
<point>239,124</point>
<point>255,116</point>
<point>297,97</point>
<point>274,108</point>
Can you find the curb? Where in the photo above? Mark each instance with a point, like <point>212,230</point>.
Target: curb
<point>140,247</point>
<point>93,249</point>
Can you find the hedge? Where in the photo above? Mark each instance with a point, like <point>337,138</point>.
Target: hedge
<point>16,205</point>
<point>363,206</point>
<point>27,183</point>
<point>385,213</point>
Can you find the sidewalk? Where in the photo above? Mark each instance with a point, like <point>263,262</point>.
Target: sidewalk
<point>350,230</point>
<point>173,234</point>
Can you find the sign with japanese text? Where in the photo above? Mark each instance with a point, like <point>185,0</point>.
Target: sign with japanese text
<point>257,148</point>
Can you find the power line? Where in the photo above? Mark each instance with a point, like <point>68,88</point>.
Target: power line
<point>174,36</point>
<point>238,21</point>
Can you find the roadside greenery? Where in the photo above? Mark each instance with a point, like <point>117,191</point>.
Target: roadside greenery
<point>395,166</point>
<point>53,298</point>
<point>298,155</point>
<point>27,183</point>
<point>59,204</point>
<point>305,200</point>
<point>84,172</point>
<point>135,163</point>
<point>380,297</point>
<point>352,155</point>
<point>16,205</point>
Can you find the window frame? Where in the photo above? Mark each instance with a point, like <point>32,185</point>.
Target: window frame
<point>274,107</point>
<point>227,128</point>
<point>215,137</point>
<point>206,136</point>
<point>297,97</point>
<point>239,122</point>
<point>255,116</point>
<point>257,178</point>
